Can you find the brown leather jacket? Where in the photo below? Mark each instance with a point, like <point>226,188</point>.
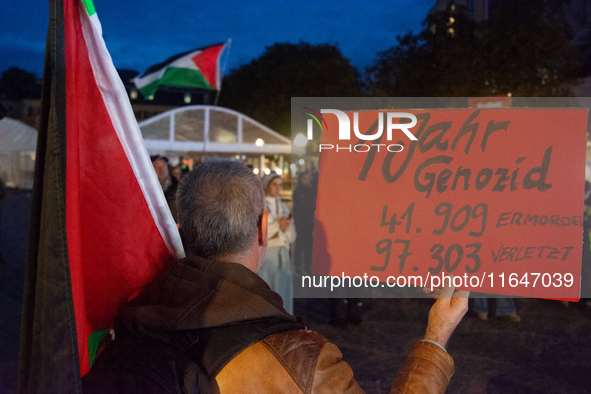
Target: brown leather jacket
<point>305,362</point>
<point>197,293</point>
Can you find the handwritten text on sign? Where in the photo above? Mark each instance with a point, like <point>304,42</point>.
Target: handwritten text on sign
<point>492,193</point>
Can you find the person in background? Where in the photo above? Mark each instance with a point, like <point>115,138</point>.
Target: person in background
<point>183,166</point>
<point>276,270</point>
<point>505,308</point>
<point>169,183</point>
<point>176,172</point>
<point>304,205</point>
<point>586,255</point>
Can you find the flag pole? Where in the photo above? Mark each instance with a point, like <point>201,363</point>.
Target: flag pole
<point>217,94</point>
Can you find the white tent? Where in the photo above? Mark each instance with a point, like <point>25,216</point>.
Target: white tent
<point>211,130</point>
<point>17,153</point>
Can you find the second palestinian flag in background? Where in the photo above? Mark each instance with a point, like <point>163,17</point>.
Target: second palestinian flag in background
<point>194,69</point>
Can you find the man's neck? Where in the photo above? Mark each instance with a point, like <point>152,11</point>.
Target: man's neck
<point>253,257</point>
<point>245,259</point>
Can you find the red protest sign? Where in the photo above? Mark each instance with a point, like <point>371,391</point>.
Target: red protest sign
<point>492,196</point>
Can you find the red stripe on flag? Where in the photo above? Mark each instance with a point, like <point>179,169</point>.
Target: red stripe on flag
<point>114,245</point>
<point>207,61</point>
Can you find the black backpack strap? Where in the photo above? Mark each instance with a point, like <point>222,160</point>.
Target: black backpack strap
<point>136,364</point>
<point>201,353</point>
<point>218,345</point>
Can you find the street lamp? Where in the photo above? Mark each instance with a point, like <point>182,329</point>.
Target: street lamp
<point>300,140</point>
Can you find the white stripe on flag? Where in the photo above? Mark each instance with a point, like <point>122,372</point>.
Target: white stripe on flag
<point>183,62</point>
<point>128,131</point>
<point>186,61</point>
<point>148,79</point>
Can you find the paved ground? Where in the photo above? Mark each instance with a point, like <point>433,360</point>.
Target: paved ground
<point>548,352</point>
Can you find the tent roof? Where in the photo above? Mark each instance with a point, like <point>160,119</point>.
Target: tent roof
<point>207,128</point>
<point>17,136</point>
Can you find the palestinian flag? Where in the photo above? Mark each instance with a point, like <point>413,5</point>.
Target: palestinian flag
<point>100,226</point>
<point>199,68</point>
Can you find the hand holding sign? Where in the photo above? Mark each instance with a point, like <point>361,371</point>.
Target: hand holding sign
<point>446,313</point>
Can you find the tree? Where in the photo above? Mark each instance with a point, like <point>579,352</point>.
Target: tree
<point>404,69</point>
<point>18,84</point>
<point>528,49</point>
<point>523,49</point>
<point>263,88</point>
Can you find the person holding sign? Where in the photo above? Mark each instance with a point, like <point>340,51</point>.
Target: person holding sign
<point>192,327</point>
<point>277,268</point>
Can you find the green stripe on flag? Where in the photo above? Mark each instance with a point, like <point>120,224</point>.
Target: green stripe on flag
<point>89,7</point>
<point>150,88</point>
<point>175,76</point>
<point>94,341</point>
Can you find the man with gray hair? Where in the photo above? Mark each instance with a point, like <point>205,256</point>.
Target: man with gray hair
<point>220,210</point>
<point>214,296</point>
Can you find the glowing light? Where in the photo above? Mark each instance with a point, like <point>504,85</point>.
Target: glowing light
<point>259,142</point>
<point>256,171</point>
<point>301,162</point>
<point>278,171</point>
<point>267,171</point>
<point>300,140</point>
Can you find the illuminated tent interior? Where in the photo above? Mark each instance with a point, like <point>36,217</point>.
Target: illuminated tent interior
<point>204,131</point>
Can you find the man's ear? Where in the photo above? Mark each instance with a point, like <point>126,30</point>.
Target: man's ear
<point>263,229</point>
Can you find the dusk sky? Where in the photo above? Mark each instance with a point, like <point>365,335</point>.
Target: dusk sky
<point>141,33</point>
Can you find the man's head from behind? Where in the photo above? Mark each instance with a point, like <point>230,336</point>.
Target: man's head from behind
<point>220,206</point>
